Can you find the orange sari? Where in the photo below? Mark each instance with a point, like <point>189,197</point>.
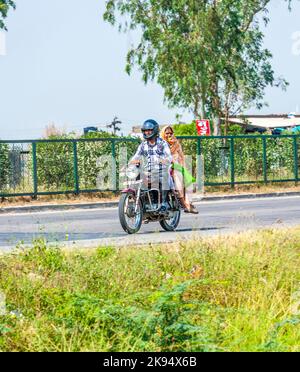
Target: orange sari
<point>178,157</point>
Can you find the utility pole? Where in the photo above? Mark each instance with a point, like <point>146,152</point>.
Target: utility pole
<point>114,125</point>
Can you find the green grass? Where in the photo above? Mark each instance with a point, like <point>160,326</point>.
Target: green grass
<point>231,293</point>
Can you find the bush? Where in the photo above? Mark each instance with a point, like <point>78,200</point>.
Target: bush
<point>55,165</point>
<point>90,153</point>
<point>4,167</point>
<point>248,155</point>
<point>225,293</point>
<point>56,160</point>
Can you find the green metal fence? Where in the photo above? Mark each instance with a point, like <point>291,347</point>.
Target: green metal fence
<point>49,167</point>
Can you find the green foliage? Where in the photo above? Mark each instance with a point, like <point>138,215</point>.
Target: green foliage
<point>4,7</point>
<point>191,130</point>
<point>4,166</point>
<point>56,160</point>
<point>233,130</point>
<point>185,129</point>
<point>238,293</point>
<point>94,157</point>
<point>88,154</point>
<point>55,165</point>
<point>44,258</point>
<point>248,155</point>
<point>207,55</point>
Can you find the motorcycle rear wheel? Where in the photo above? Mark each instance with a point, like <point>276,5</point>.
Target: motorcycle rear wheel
<point>131,222</point>
<point>172,224</point>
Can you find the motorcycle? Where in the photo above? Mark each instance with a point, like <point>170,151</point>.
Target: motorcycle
<point>140,203</point>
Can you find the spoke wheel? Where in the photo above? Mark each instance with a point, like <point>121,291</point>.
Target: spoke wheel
<point>131,222</point>
<point>172,223</point>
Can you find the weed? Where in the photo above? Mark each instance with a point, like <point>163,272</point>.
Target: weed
<point>231,293</point>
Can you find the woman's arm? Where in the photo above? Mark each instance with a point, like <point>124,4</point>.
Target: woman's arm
<point>181,155</point>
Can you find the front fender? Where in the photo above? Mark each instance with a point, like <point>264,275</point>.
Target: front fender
<point>129,191</point>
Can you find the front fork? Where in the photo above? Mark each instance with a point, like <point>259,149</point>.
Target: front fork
<point>137,199</point>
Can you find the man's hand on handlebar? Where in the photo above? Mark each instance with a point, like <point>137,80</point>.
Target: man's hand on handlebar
<point>135,162</point>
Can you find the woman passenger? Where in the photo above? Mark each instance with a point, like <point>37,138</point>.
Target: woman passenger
<point>167,134</point>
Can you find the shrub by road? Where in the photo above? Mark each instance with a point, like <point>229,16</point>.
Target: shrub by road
<point>231,293</point>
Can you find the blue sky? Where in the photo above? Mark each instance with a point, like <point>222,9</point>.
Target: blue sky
<point>64,65</point>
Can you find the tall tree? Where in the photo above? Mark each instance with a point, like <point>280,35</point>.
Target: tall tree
<point>4,7</point>
<point>207,55</point>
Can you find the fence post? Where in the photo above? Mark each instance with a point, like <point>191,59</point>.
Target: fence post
<point>200,171</point>
<point>76,177</point>
<point>265,160</point>
<point>232,166</point>
<point>34,171</point>
<point>114,164</point>
<point>296,164</point>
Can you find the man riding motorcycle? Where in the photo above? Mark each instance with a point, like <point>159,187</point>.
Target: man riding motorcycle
<point>157,154</point>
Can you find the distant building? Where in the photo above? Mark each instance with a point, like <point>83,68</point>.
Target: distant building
<point>263,123</point>
<point>90,129</point>
<point>136,131</point>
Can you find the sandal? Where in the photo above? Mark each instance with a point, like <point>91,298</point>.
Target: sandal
<point>191,210</point>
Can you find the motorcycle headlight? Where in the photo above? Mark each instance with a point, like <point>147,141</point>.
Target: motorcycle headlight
<point>132,173</point>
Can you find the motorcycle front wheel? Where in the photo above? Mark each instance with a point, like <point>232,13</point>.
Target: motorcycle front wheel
<point>130,220</point>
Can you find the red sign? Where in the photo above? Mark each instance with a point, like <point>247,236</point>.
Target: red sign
<point>203,127</point>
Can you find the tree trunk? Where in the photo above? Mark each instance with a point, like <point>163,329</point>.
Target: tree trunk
<point>199,110</point>
<point>203,111</point>
<point>216,105</point>
<point>196,108</point>
<point>226,121</point>
<point>217,126</point>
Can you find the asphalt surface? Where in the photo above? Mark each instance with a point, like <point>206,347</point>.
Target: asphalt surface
<point>90,228</point>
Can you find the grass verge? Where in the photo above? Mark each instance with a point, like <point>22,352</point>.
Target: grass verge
<point>255,188</point>
<point>232,293</point>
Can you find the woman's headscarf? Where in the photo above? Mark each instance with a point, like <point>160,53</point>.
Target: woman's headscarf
<point>178,156</point>
<point>172,140</point>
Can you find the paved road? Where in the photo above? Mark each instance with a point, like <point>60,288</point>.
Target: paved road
<point>101,226</point>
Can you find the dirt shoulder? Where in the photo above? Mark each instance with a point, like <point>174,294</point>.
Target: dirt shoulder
<point>114,197</point>
<point>249,189</point>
